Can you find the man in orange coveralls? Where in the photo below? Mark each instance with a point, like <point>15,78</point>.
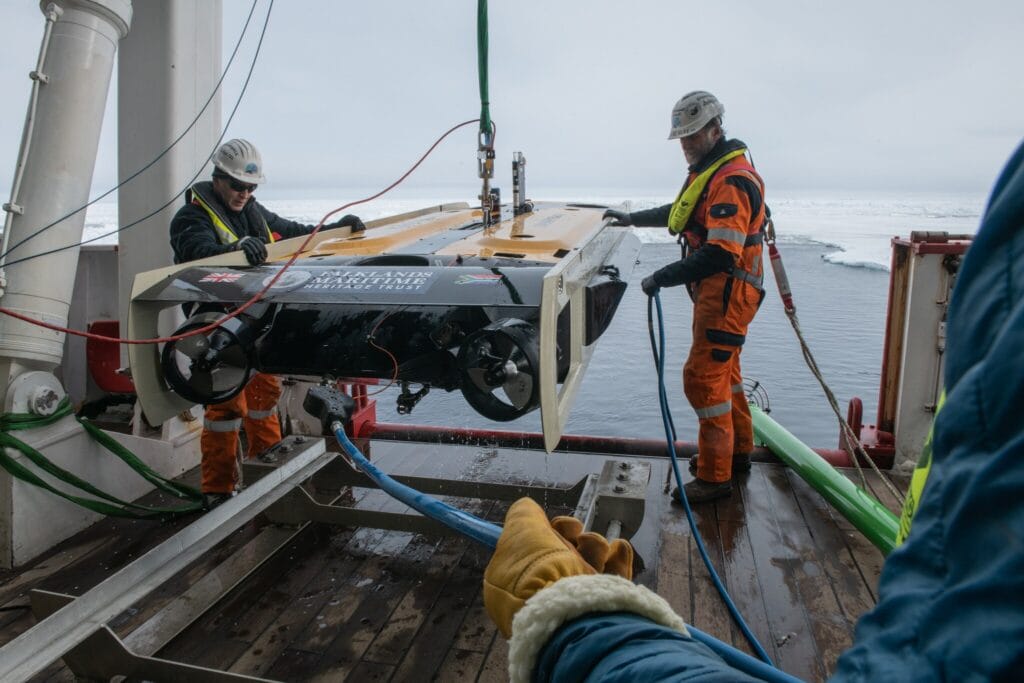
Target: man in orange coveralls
<point>221,216</point>
<point>719,217</point>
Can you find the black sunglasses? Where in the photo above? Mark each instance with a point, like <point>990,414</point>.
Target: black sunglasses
<point>237,185</point>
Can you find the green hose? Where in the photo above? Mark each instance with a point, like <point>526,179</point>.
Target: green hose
<point>869,516</point>
<point>481,48</point>
<point>108,504</point>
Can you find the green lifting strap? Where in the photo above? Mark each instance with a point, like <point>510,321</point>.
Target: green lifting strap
<point>481,48</point>
<point>17,421</point>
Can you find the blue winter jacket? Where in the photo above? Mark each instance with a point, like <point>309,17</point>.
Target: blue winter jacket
<point>951,599</point>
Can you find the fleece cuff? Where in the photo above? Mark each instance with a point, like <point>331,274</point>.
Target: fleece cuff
<point>570,598</point>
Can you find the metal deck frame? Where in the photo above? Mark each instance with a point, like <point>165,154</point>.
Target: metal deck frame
<point>75,628</point>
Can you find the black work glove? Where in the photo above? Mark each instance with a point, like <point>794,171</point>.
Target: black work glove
<point>255,250</point>
<point>650,285</point>
<point>348,221</point>
<point>618,217</point>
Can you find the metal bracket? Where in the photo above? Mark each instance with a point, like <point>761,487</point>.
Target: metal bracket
<point>337,475</point>
<point>103,652</point>
<point>73,624</point>
<point>617,509</point>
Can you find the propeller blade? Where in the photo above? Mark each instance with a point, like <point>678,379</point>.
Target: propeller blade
<point>192,347</point>
<point>477,376</point>
<point>202,383</point>
<point>519,390</point>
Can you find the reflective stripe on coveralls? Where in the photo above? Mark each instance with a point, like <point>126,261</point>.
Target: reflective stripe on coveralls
<point>254,408</point>
<point>714,411</point>
<point>724,305</point>
<point>223,425</point>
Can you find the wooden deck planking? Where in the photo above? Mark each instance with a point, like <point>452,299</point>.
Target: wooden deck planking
<point>791,632</point>
<point>351,642</point>
<point>495,667</point>
<point>329,591</point>
<point>868,557</point>
<point>425,658</point>
<point>830,632</point>
<point>248,611</point>
<point>429,648</point>
<point>413,609</point>
<point>854,592</point>
<point>877,487</point>
<point>460,665</point>
<point>372,671</point>
<point>740,574</point>
<point>709,613</point>
<point>672,555</point>
<point>304,589</point>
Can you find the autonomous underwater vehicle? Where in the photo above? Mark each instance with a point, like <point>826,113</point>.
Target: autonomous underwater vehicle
<point>504,311</point>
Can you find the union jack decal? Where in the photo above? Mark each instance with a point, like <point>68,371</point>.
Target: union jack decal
<point>221,277</point>
<point>479,278</point>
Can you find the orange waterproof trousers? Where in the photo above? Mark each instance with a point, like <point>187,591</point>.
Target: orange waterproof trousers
<point>712,379</point>
<point>255,408</point>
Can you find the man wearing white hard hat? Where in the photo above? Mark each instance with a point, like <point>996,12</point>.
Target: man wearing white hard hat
<point>220,216</point>
<point>718,219</point>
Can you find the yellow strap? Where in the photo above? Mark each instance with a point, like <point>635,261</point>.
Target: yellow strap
<point>225,234</point>
<point>688,197</point>
<point>917,481</point>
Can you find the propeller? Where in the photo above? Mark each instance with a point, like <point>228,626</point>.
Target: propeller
<point>499,367</point>
<point>208,368</point>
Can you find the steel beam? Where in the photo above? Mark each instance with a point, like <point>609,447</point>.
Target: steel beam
<point>32,651</point>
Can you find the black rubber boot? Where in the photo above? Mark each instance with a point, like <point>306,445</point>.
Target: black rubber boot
<point>740,464</point>
<point>700,491</point>
<point>212,500</point>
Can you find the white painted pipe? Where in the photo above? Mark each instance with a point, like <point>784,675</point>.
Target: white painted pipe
<point>38,76</point>
<point>57,173</point>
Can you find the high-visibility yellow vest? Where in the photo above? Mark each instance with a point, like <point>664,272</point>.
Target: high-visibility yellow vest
<point>688,197</point>
<point>221,226</point>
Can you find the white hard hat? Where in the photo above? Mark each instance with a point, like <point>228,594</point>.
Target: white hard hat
<point>693,112</point>
<point>241,160</point>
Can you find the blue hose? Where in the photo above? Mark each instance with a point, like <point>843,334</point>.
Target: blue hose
<point>466,524</point>
<point>487,534</point>
<point>741,660</point>
<point>659,359</point>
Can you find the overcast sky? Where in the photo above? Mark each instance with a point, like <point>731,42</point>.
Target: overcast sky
<point>891,96</point>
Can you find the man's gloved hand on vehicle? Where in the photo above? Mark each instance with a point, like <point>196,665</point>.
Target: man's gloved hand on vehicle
<point>253,247</point>
<point>533,553</point>
<point>618,217</point>
<point>348,221</point>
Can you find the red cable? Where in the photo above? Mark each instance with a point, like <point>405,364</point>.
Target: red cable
<point>256,297</point>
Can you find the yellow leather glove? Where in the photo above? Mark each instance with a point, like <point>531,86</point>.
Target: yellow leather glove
<point>533,553</point>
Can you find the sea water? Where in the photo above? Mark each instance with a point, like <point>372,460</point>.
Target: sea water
<point>836,250</point>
